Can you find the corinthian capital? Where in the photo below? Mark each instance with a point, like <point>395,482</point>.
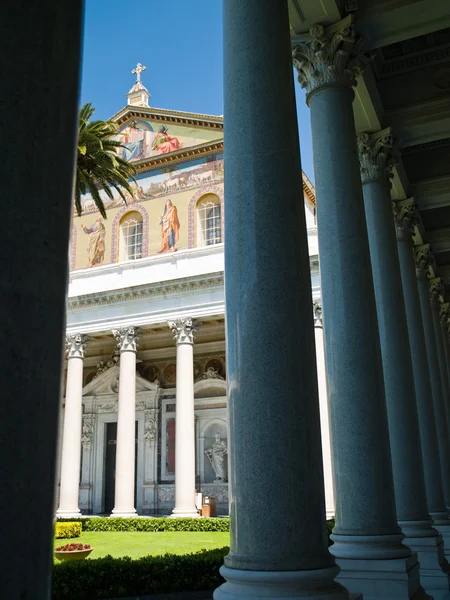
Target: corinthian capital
<point>127,338</point>
<point>377,155</point>
<point>184,330</point>
<point>76,345</point>
<point>444,314</point>
<point>404,217</point>
<point>317,311</point>
<point>422,254</point>
<point>436,290</point>
<point>329,56</point>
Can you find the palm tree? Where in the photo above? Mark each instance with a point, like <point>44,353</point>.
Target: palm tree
<point>99,166</point>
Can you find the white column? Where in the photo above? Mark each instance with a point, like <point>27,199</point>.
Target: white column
<point>127,338</point>
<point>324,416</point>
<point>184,330</point>
<point>71,451</point>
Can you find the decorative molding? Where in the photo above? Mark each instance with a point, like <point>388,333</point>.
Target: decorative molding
<point>414,61</point>
<point>444,315</point>
<point>76,345</point>
<point>127,338</point>
<point>87,431</point>
<point>184,330</point>
<point>134,207</point>
<point>404,218</point>
<point>208,189</point>
<point>442,143</point>
<point>163,289</point>
<point>210,373</point>
<point>377,155</point>
<point>106,407</point>
<point>437,290</point>
<point>329,56</point>
<point>422,256</point>
<point>318,313</point>
<point>150,426</point>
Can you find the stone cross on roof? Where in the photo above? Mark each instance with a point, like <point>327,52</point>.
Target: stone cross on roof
<point>138,70</point>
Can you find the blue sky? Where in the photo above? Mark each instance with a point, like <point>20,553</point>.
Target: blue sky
<point>179,42</point>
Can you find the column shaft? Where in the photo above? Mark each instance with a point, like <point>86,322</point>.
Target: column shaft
<point>324,416</point>
<point>124,498</point>
<point>436,386</point>
<point>278,547</point>
<point>435,308</point>
<point>71,450</point>
<point>427,424</point>
<point>40,64</point>
<point>185,434</point>
<point>409,482</point>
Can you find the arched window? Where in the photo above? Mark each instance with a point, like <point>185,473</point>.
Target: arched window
<point>131,228</point>
<point>209,221</point>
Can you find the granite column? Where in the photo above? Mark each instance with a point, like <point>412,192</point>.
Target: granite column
<point>40,66</point>
<point>278,547</point>
<point>184,331</point>
<point>71,448</point>
<point>127,338</point>
<point>437,291</point>
<point>377,156</point>
<point>422,262</point>
<point>366,536</point>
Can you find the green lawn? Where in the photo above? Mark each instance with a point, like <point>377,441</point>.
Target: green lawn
<point>136,544</point>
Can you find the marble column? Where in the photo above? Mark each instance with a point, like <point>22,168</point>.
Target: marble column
<point>422,261</point>
<point>71,449</point>
<point>323,406</point>
<point>404,212</point>
<point>444,318</point>
<point>184,332</point>
<point>278,534</point>
<point>127,338</point>
<point>366,523</point>
<point>377,155</point>
<point>40,65</point>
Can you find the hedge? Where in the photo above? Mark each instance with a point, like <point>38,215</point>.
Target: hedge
<point>68,529</point>
<point>123,577</point>
<point>156,524</point>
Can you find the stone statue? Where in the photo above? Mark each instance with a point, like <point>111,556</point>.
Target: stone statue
<point>216,455</point>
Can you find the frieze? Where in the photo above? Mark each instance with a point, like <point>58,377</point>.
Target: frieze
<point>87,431</point>
<point>150,426</point>
<point>106,407</point>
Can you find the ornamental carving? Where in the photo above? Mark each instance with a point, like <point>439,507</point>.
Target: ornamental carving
<point>377,155</point>
<point>444,315</point>
<point>211,373</point>
<point>317,312</point>
<point>127,338</point>
<point>87,431</point>
<point>220,493</point>
<point>107,407</point>
<point>422,256</point>
<point>103,366</point>
<point>184,330</point>
<point>166,494</point>
<point>76,345</point>
<point>404,218</point>
<point>330,56</point>
<point>150,426</point>
<point>436,290</point>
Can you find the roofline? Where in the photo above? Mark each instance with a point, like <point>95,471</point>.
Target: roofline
<point>163,114</point>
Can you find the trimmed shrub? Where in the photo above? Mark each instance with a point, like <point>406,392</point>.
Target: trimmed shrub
<point>121,577</point>
<point>68,529</point>
<point>157,524</point>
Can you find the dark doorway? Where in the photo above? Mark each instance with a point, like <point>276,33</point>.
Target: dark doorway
<point>110,466</point>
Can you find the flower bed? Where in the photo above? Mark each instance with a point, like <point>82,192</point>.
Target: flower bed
<point>73,551</point>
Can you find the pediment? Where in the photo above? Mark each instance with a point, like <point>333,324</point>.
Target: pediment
<point>209,388</point>
<point>107,383</point>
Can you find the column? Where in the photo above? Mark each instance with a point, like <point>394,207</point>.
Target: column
<point>422,261</point>
<point>40,83</point>
<point>437,290</point>
<point>127,338</point>
<point>404,216</point>
<point>444,317</point>
<point>323,406</point>
<point>71,450</point>
<point>184,331</point>
<point>278,534</point>
<point>377,155</point>
<point>366,523</point>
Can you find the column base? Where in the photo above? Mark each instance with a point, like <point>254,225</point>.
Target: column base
<point>434,568</point>
<point>179,513</point>
<point>281,585</point>
<point>62,513</point>
<point>444,530</point>
<point>390,579</point>
<point>123,513</point>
